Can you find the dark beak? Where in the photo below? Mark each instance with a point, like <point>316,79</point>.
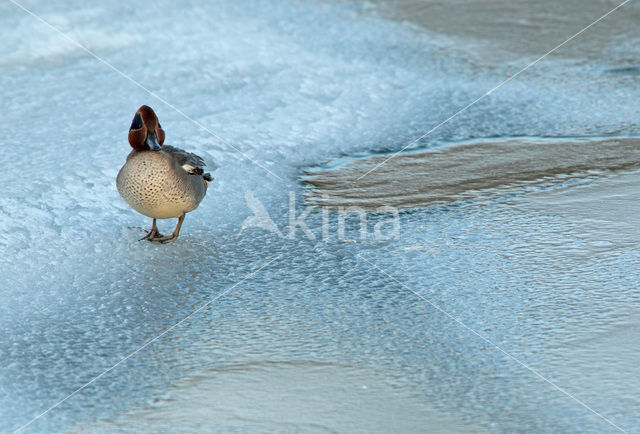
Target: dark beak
<point>152,142</point>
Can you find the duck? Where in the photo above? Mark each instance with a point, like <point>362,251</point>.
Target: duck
<point>157,180</point>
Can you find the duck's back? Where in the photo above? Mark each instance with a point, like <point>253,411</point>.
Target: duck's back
<point>155,185</point>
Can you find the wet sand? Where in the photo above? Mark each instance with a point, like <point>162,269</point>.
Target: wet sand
<point>466,171</point>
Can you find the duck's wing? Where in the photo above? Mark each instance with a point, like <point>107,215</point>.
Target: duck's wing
<point>191,163</point>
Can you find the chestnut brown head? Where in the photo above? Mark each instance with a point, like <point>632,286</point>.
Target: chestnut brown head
<point>145,132</point>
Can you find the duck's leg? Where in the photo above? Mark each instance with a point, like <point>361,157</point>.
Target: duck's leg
<point>171,237</point>
<point>152,233</point>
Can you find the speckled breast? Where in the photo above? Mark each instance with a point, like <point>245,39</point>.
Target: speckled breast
<point>152,184</point>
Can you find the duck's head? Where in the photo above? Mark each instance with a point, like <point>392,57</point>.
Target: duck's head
<point>145,132</point>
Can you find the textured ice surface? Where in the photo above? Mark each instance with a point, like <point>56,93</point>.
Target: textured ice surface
<point>290,84</point>
<point>239,398</point>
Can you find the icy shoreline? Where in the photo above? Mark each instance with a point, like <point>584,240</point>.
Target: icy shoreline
<point>291,84</point>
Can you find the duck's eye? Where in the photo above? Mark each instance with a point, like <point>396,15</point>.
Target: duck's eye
<point>137,122</point>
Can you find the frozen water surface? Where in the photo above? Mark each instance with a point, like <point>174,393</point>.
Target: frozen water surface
<point>549,274</point>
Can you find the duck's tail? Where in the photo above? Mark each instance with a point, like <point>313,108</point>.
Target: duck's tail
<point>207,179</point>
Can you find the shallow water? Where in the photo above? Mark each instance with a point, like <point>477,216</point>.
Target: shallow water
<point>549,274</point>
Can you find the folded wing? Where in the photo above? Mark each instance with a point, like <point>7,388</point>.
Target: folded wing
<point>191,163</point>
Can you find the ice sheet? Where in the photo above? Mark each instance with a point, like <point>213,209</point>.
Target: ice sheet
<point>290,84</point>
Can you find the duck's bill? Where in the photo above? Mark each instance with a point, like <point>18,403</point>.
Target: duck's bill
<point>152,142</point>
